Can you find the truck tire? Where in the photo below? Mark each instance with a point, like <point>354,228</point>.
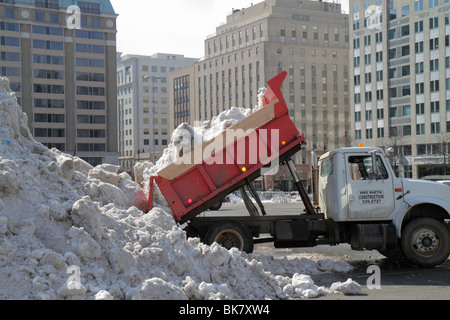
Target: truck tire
<point>425,242</point>
<point>192,232</point>
<point>216,206</point>
<point>229,234</point>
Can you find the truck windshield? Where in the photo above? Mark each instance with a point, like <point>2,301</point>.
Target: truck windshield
<point>361,168</point>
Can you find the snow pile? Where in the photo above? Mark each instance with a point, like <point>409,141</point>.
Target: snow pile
<point>71,231</point>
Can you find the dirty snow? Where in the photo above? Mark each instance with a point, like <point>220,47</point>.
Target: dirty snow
<point>72,231</point>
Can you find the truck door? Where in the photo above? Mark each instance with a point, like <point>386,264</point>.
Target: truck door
<point>369,197</point>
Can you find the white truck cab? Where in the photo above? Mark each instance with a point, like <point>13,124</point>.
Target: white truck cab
<point>359,185</point>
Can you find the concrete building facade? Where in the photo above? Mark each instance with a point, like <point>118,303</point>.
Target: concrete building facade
<point>143,105</point>
<point>400,80</point>
<point>60,57</point>
<point>308,39</point>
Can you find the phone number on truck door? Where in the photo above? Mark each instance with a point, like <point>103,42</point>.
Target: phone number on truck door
<point>371,197</point>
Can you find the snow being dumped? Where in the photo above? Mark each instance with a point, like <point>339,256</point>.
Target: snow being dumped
<point>72,231</point>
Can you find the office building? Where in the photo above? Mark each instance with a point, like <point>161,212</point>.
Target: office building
<point>400,80</point>
<point>60,57</point>
<point>308,39</point>
<point>143,105</point>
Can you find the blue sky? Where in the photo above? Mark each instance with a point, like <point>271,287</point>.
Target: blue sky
<point>172,26</point>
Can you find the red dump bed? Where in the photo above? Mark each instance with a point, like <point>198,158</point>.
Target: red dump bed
<point>210,172</point>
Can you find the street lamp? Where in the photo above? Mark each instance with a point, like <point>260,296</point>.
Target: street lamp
<point>154,78</point>
<point>139,153</point>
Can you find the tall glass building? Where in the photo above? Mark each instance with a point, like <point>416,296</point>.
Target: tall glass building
<point>60,57</point>
<point>400,81</point>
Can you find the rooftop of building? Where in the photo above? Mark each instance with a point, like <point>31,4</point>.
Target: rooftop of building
<point>159,56</point>
<point>297,9</point>
<point>105,5</point>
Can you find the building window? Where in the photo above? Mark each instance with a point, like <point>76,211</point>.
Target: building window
<point>418,47</point>
<point>405,31</point>
<point>405,10</point>
<point>380,132</point>
<point>434,106</point>
<point>405,51</point>
<point>85,34</point>
<point>48,103</point>
<point>47,30</point>
<point>420,130</point>
<point>91,147</point>
<point>39,16</point>
<point>418,5</point>
<point>420,88</point>
<point>87,7</point>
<point>50,4</point>
<point>435,127</point>
<point>9,41</point>
<point>49,88</point>
<point>406,90</point>
<point>420,108</point>
<point>49,133</point>
<point>9,13</point>
<point>88,119</point>
<point>406,110</point>
<point>47,59</point>
<point>48,45</point>
<point>418,26</point>
<point>434,22</point>
<point>434,85</point>
<point>407,130</point>
<point>90,63</point>
<point>49,118</point>
<point>393,112</point>
<point>434,44</point>
<point>433,3</point>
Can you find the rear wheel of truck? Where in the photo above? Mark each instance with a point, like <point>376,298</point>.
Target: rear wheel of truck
<point>425,242</point>
<point>216,206</point>
<point>229,234</point>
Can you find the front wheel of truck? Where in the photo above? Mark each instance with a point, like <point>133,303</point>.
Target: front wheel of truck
<point>425,242</point>
<point>229,234</point>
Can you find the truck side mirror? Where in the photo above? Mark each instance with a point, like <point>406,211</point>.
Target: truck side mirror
<point>374,164</point>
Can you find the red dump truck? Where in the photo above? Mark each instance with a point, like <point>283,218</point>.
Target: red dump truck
<point>358,198</point>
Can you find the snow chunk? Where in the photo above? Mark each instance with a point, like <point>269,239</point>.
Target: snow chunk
<point>349,287</point>
<point>156,289</point>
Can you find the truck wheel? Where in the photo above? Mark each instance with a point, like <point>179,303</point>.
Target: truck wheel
<point>229,234</point>
<point>216,206</point>
<point>425,242</point>
<point>192,232</point>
